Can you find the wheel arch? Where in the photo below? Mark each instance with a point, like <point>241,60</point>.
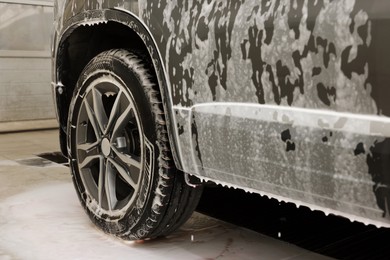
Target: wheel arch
<point>90,33</point>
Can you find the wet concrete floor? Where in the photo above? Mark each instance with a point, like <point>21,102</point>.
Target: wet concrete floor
<point>41,218</point>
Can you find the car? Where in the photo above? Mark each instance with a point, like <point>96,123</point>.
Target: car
<point>287,99</point>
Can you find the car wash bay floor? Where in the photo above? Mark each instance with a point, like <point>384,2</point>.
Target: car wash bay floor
<point>41,218</point>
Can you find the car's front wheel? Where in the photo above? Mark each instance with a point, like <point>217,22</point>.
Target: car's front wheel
<point>119,152</point>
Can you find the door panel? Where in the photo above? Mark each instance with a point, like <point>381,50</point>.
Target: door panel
<point>284,97</point>
<point>312,156</point>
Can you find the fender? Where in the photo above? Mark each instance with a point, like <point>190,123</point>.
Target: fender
<point>94,18</point>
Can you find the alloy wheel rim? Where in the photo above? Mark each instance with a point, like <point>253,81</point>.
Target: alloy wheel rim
<point>109,146</point>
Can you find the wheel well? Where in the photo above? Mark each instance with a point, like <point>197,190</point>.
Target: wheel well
<point>84,43</point>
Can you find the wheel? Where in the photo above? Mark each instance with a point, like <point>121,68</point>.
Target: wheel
<point>120,159</point>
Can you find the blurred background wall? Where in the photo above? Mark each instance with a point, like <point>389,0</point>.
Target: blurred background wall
<point>25,73</point>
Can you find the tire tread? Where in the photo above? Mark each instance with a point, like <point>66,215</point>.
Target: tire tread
<point>180,200</point>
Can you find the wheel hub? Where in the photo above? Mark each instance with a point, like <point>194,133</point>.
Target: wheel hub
<point>106,147</point>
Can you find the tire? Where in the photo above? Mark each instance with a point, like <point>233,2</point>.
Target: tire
<point>120,158</point>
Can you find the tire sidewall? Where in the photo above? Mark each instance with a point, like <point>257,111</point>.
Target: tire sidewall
<point>135,219</point>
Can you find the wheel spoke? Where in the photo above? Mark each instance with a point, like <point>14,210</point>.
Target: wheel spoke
<point>92,119</point>
<point>109,185</point>
<point>128,159</point>
<point>87,160</point>
<point>100,112</point>
<point>89,149</point>
<point>102,168</point>
<point>123,173</point>
<point>114,112</point>
<point>122,121</point>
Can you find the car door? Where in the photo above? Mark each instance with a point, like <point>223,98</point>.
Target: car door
<point>285,98</point>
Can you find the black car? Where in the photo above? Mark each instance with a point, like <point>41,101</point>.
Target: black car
<point>287,99</point>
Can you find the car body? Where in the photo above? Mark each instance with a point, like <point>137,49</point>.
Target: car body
<point>287,99</point>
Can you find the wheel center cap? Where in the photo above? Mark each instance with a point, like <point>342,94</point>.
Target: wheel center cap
<point>106,147</point>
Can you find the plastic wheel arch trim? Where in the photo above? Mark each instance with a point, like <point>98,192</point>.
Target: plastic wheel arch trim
<point>129,19</point>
